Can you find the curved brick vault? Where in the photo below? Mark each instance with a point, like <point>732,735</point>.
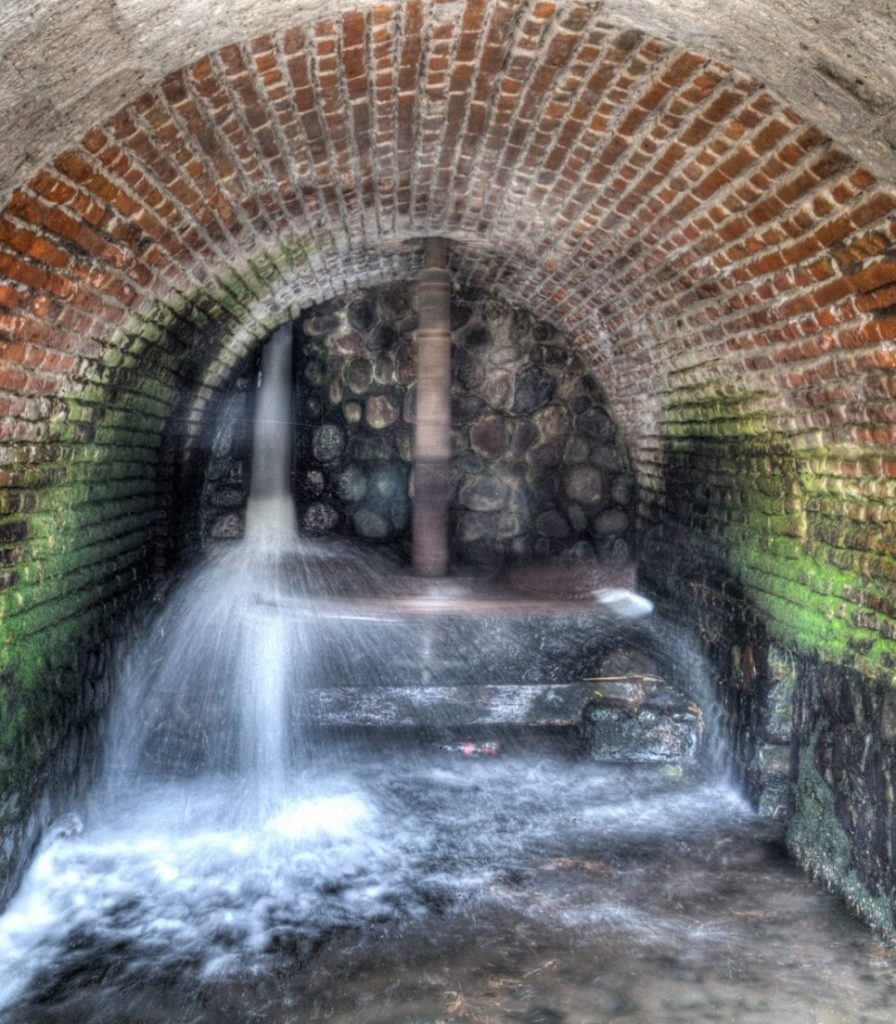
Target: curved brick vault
<point>729,271</point>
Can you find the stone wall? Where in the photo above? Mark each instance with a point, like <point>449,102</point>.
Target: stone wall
<point>539,468</point>
<point>812,743</point>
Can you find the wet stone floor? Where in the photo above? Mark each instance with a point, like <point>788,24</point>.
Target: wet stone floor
<point>425,886</point>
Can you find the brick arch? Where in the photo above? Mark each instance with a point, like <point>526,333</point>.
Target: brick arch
<point>727,268</point>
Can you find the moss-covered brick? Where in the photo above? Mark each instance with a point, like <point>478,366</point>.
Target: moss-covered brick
<point>750,506</point>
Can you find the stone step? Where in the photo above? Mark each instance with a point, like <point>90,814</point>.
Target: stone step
<point>645,733</point>
<point>633,724</point>
<point>435,707</point>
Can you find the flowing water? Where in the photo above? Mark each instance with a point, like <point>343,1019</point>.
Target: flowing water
<point>402,886</point>
<point>233,867</point>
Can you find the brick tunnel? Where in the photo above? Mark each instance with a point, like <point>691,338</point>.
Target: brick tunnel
<point>710,230</point>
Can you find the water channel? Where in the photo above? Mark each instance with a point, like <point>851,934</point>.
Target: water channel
<point>231,866</point>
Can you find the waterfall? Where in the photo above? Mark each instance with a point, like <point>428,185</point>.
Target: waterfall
<point>270,516</point>
<point>211,686</point>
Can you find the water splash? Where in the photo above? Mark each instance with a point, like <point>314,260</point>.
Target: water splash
<point>218,837</point>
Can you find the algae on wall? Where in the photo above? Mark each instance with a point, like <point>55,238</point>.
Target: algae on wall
<point>742,502</point>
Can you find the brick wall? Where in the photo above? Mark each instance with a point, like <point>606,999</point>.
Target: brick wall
<point>728,272</point>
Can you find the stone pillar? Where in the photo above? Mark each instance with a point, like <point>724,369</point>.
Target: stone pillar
<point>432,440</point>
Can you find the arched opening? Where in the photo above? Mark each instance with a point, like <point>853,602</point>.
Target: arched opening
<point>702,269</point>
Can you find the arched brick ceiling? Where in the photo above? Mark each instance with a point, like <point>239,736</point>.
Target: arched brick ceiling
<point>728,268</point>
<point>64,65</point>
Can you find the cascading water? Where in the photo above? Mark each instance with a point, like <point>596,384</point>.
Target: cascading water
<point>206,689</point>
<point>231,870</point>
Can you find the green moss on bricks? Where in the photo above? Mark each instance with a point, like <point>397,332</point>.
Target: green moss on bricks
<point>746,498</point>
<point>87,485</point>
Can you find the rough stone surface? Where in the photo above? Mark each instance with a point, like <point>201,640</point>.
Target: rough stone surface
<point>319,518</point>
<point>641,734</point>
<point>355,440</point>
<point>533,389</point>
<point>380,412</point>
<point>584,484</point>
<point>328,443</point>
<point>488,436</point>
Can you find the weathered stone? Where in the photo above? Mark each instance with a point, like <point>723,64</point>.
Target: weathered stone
<point>351,485</point>
<point>372,448</point>
<point>386,481</point>
<point>320,518</point>
<point>230,526</point>
<point>384,368</point>
<point>465,407</point>
<point>460,314</point>
<point>552,421</point>
<point>352,412</point>
<point>313,483</point>
<point>612,521</point>
<point>222,444</point>
<point>596,424</point>
<point>336,391</point>
<point>576,451</point>
<point>313,406</point>
<point>577,518</point>
<point>380,412</point>
<point>533,389</point>
<point>404,443</point>
<point>553,357</point>
<point>524,436</point>
<point>467,465</point>
<point>468,371</point>
<point>361,315</point>
<point>315,373</point>
<point>607,456</point>
<point>484,494</point>
<point>349,343</point>
<point>219,469</point>
<point>227,497</point>
<point>394,302</point>
<point>370,524</point>
<point>584,484</point>
<point>476,336</point>
<point>643,733</point>
<point>771,774</point>
<point>327,443</point>
<point>473,526</point>
<point>405,364</point>
<point>510,524</point>
<point>552,524</point>
<point>320,324</point>
<point>409,406</point>
<point>488,436</point>
<point>547,454</point>
<point>622,490</point>
<point>619,554</point>
<point>505,355</point>
<point>400,513</point>
<point>359,375</point>
<point>497,389</point>
<point>776,715</point>
<point>383,337</point>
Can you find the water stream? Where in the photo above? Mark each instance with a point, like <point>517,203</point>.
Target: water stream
<point>231,867</point>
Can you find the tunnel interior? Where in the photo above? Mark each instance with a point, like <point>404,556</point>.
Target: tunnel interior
<point>673,328</point>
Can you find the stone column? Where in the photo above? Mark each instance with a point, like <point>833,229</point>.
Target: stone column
<point>432,440</point>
